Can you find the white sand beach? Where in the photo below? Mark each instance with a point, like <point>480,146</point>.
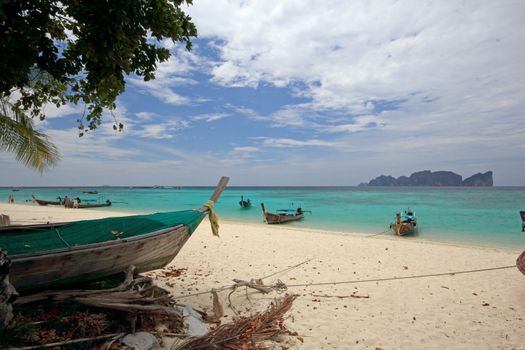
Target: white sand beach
<point>482,310</point>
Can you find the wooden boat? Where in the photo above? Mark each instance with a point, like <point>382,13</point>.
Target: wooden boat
<point>90,192</point>
<point>520,262</point>
<point>51,255</point>
<point>69,204</point>
<point>406,223</point>
<point>245,203</point>
<point>522,214</point>
<point>43,202</point>
<point>285,215</point>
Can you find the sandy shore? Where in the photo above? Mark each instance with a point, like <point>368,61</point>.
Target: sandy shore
<point>483,310</point>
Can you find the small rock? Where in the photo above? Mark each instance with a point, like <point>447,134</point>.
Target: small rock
<point>140,341</point>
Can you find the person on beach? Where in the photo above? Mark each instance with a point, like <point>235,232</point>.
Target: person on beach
<point>10,199</point>
<point>75,203</point>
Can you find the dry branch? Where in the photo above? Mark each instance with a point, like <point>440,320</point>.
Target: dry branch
<point>246,332</point>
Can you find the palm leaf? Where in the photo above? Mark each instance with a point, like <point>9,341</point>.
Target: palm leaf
<point>31,147</point>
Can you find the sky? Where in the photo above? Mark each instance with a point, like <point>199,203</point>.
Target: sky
<point>312,92</point>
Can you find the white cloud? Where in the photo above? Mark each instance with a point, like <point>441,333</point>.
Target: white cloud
<point>171,73</point>
<point>211,117</point>
<point>285,142</point>
<point>52,111</point>
<point>245,149</point>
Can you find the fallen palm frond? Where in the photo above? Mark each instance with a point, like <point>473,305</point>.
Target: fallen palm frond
<point>246,332</point>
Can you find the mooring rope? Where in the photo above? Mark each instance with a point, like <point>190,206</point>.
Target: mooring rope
<point>403,277</point>
<point>280,286</point>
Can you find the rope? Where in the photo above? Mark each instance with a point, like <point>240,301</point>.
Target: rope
<point>377,234</point>
<point>403,278</point>
<point>62,239</point>
<point>280,286</point>
<point>214,219</point>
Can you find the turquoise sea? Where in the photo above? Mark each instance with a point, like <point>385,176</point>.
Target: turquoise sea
<point>474,216</point>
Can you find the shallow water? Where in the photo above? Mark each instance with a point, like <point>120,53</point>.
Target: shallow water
<point>475,216</point>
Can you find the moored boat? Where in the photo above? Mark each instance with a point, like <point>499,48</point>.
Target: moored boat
<point>70,204</point>
<point>51,255</point>
<point>285,215</point>
<point>90,192</point>
<point>43,202</point>
<point>406,223</point>
<point>520,262</point>
<point>245,203</point>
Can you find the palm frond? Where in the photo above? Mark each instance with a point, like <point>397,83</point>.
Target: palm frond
<point>31,147</point>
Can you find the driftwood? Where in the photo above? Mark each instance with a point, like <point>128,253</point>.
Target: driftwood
<point>69,342</point>
<point>8,293</point>
<point>246,332</point>
<point>134,296</point>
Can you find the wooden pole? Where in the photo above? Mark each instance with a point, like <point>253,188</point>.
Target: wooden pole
<point>220,187</point>
<point>8,293</point>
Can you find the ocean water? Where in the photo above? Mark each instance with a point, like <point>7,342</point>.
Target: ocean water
<point>474,216</point>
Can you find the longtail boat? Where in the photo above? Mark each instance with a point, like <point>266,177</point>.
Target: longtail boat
<point>43,202</point>
<point>520,262</point>
<point>51,255</point>
<point>522,214</point>
<point>406,223</point>
<point>69,204</point>
<point>245,203</point>
<point>90,192</point>
<point>285,215</point>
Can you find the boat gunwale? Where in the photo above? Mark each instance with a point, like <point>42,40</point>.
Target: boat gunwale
<point>95,246</point>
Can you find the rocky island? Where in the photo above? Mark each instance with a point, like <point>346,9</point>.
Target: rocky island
<point>436,178</point>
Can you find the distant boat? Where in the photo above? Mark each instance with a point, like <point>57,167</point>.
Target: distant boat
<point>43,202</point>
<point>90,192</point>
<point>15,189</point>
<point>406,223</point>
<point>53,255</point>
<point>245,203</point>
<point>285,215</point>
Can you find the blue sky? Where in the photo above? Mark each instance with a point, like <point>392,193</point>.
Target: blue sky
<point>312,93</point>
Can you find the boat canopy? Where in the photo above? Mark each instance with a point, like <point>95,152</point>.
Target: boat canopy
<point>84,232</point>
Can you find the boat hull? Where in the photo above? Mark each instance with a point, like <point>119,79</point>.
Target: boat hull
<point>281,218</point>
<point>43,202</point>
<point>87,205</point>
<point>245,204</point>
<point>520,262</point>
<point>94,261</point>
<point>404,228</point>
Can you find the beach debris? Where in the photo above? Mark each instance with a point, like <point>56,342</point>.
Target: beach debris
<point>218,310</point>
<point>193,322</point>
<point>251,332</point>
<point>140,341</point>
<point>353,295</point>
<point>88,315</point>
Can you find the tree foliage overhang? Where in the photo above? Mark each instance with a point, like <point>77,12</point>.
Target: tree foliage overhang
<point>74,51</point>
